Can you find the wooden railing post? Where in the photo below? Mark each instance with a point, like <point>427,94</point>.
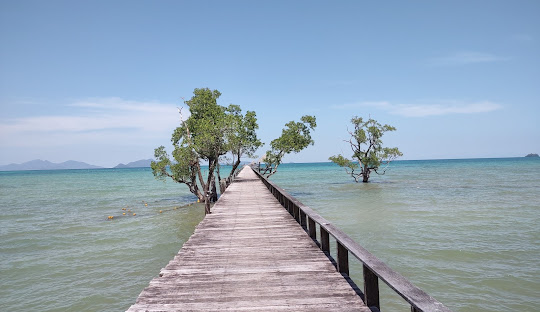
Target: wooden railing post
<point>371,288</point>
<point>342,259</point>
<point>296,213</point>
<point>312,229</point>
<point>303,222</point>
<point>325,240</point>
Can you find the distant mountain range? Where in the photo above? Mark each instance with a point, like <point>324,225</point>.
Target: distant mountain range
<point>136,164</point>
<point>39,164</point>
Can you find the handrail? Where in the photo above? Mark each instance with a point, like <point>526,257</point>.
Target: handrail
<point>373,268</point>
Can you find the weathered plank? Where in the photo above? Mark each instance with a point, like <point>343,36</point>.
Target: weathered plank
<point>249,255</point>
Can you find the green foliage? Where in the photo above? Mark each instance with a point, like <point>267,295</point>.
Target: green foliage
<point>206,125</point>
<point>343,162</point>
<point>210,132</point>
<point>368,151</point>
<point>294,138</point>
<point>242,136</point>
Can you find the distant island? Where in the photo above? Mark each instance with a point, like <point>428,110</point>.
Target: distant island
<point>143,163</point>
<point>39,164</point>
<point>532,155</point>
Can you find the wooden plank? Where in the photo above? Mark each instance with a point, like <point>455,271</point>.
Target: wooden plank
<point>249,255</point>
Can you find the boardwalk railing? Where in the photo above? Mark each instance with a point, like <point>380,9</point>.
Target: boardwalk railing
<point>373,268</point>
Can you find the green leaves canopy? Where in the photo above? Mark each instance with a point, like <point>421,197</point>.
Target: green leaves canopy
<point>206,125</point>
<point>210,132</point>
<point>367,148</point>
<point>294,138</point>
<point>241,137</point>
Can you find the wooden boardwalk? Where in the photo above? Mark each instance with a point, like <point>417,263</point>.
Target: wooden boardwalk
<point>249,255</point>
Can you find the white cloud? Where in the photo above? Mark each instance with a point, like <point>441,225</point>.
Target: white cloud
<point>102,119</point>
<point>424,110</point>
<point>118,104</point>
<point>465,58</point>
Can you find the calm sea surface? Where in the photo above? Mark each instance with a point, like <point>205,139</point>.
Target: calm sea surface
<point>465,231</point>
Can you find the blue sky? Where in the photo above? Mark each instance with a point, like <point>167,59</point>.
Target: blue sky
<point>99,81</point>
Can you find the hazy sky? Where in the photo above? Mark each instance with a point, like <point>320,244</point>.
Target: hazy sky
<point>99,81</point>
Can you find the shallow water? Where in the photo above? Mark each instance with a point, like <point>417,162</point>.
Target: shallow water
<point>60,252</point>
<point>465,231</point>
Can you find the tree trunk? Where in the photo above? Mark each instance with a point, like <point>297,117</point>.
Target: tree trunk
<point>235,166</point>
<point>213,190</point>
<point>218,167</point>
<point>222,185</point>
<point>365,174</point>
<point>210,187</point>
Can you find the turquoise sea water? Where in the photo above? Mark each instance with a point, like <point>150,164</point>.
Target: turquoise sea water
<point>465,231</point>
